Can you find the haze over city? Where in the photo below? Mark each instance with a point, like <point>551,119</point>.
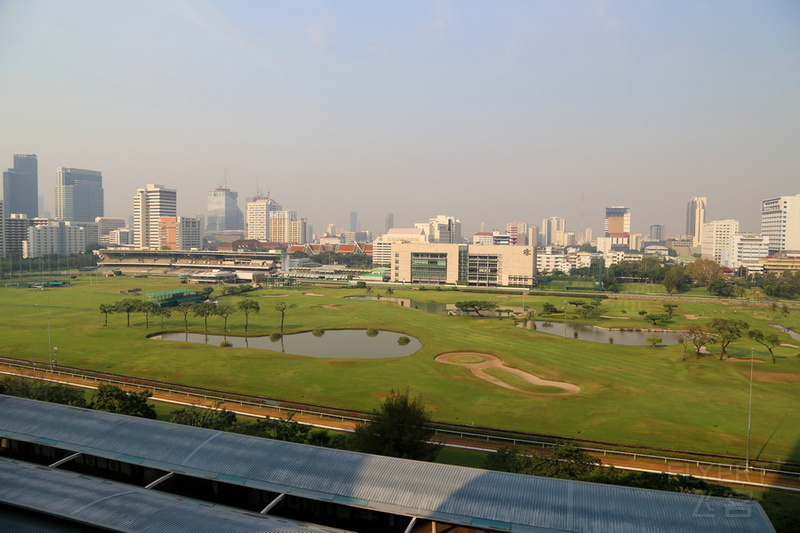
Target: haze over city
<point>486,112</point>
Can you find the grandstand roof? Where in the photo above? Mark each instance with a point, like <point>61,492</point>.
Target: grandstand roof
<point>117,506</point>
<point>449,494</point>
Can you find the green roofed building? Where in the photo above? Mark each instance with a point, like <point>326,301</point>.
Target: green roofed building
<point>173,298</point>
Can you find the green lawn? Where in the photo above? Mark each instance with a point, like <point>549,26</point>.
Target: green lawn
<point>629,394</point>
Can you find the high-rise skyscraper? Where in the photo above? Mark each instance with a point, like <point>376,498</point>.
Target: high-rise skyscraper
<point>552,231</point>
<point>695,218</point>
<point>353,220</point>
<point>780,221</point>
<point>79,194</point>
<point>149,205</point>
<point>21,186</point>
<point>223,211</point>
<point>389,222</point>
<point>617,227</point>
<point>657,232</point>
<point>257,217</point>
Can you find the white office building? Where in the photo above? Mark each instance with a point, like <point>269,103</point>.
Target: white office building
<point>257,219</point>
<point>780,223</point>
<point>382,247</point>
<point>744,250</point>
<point>716,238</point>
<point>442,229</point>
<point>150,205</point>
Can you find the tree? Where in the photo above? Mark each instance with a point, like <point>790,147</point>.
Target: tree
<point>106,309</point>
<point>389,291</point>
<point>224,311</point>
<point>727,330</point>
<point>565,461</point>
<point>699,337</point>
<point>162,313</point>
<point>115,400</point>
<point>767,340</point>
<point>146,308</point>
<point>204,310</point>
<point>654,341</point>
<point>670,309</point>
<point>205,292</point>
<point>281,307</point>
<point>675,279</point>
<point>476,306</point>
<point>127,306</point>
<point>216,418</point>
<point>400,428</point>
<point>185,308</point>
<point>719,287</point>
<point>654,317</point>
<point>703,271</point>
<point>247,306</point>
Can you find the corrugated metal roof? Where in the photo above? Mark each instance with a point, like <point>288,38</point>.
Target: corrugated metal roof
<point>120,507</point>
<point>439,492</point>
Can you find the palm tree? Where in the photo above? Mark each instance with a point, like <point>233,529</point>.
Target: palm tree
<point>389,291</point>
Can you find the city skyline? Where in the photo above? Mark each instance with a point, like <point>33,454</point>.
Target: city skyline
<point>488,115</point>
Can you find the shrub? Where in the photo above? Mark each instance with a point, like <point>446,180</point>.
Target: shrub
<point>275,336</point>
<point>225,344</point>
<point>318,332</point>
<point>372,332</point>
<point>402,341</point>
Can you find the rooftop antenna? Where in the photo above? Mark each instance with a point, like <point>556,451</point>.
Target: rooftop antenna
<point>224,184</point>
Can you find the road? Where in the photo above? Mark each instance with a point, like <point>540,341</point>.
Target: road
<point>729,475</point>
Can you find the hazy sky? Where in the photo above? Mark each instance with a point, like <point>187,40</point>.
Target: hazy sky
<point>487,111</point>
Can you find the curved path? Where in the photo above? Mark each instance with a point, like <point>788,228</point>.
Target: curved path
<point>490,361</point>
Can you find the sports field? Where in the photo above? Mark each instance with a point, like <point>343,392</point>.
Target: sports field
<point>635,395</point>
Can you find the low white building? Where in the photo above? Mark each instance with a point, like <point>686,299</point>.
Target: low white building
<point>54,238</point>
<point>382,247</point>
<point>745,249</point>
<point>480,266</point>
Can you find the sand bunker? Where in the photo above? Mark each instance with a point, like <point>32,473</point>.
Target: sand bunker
<point>691,317</point>
<point>274,295</point>
<point>616,317</point>
<point>312,294</point>
<point>331,307</point>
<point>476,362</point>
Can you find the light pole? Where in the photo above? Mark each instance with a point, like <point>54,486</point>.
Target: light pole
<point>565,319</point>
<point>749,414</point>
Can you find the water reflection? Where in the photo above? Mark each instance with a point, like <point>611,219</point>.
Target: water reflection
<point>334,344</point>
<point>589,333</point>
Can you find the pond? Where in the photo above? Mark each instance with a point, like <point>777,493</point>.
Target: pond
<point>333,344</point>
<point>595,334</point>
<point>585,332</point>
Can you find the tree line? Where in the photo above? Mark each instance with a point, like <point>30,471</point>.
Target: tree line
<point>202,309</point>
